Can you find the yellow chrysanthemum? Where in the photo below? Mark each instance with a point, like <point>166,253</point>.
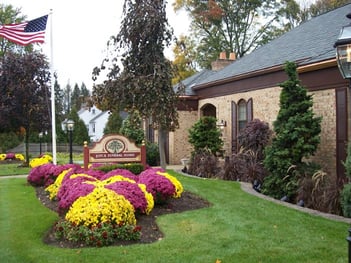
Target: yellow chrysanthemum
<point>149,198</point>
<point>82,175</point>
<point>117,178</point>
<point>2,156</point>
<point>102,205</point>
<point>19,156</point>
<point>110,180</point>
<point>40,161</point>
<point>54,188</point>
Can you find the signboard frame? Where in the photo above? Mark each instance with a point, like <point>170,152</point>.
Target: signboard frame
<point>114,148</point>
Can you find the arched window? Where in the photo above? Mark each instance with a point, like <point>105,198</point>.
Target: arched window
<point>242,115</point>
<point>208,110</point>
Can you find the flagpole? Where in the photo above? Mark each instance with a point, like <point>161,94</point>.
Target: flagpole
<point>53,115</point>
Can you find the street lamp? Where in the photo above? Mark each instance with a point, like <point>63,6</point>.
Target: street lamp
<point>40,137</point>
<point>70,126</point>
<point>343,57</point>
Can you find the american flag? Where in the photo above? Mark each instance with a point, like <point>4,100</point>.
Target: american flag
<point>25,33</point>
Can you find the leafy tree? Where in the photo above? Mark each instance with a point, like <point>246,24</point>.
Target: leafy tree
<point>292,15</point>
<point>131,128</point>
<point>206,135</point>
<point>114,123</point>
<point>11,15</point>
<point>25,94</point>
<point>233,25</point>
<point>323,6</point>
<point>184,59</point>
<point>145,82</point>
<point>297,133</point>
<point>9,140</point>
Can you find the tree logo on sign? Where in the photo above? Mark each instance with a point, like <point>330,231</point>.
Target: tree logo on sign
<point>115,146</point>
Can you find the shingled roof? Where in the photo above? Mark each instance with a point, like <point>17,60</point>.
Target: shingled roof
<point>195,79</point>
<point>308,43</point>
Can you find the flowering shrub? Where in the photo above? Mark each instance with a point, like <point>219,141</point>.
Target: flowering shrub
<point>40,161</point>
<point>71,189</point>
<point>46,174</point>
<point>102,205</point>
<point>41,175</point>
<point>178,186</point>
<point>103,234</point>
<point>160,186</point>
<point>11,156</point>
<point>141,201</point>
<point>53,188</point>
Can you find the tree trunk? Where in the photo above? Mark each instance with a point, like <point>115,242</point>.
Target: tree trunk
<point>26,143</point>
<point>161,147</point>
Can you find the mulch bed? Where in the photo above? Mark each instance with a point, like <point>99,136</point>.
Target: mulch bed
<point>150,232</point>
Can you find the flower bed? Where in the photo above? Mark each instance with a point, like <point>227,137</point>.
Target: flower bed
<point>9,157</point>
<point>44,159</point>
<point>91,200</point>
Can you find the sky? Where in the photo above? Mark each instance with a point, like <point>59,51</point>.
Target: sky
<point>80,31</point>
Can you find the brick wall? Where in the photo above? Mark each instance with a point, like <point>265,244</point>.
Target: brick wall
<point>265,108</point>
<point>179,147</point>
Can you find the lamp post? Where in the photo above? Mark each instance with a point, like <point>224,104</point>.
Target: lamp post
<point>70,126</point>
<point>40,138</point>
<point>343,58</point>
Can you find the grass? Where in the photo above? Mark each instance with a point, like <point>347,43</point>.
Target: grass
<point>9,169</point>
<point>13,169</point>
<point>238,227</point>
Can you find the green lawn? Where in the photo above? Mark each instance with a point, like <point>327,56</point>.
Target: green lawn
<point>13,169</point>
<point>238,227</point>
<point>9,169</point>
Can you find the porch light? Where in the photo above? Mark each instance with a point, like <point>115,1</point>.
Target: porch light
<point>343,57</point>
<point>222,124</point>
<point>343,50</point>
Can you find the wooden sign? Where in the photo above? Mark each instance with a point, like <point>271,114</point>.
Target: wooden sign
<point>114,148</point>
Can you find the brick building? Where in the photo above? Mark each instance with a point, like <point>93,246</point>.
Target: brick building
<point>248,88</point>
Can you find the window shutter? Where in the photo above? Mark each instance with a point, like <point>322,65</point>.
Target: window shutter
<point>341,133</point>
<point>249,110</point>
<point>234,127</point>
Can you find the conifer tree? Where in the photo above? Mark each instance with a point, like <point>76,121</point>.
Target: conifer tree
<point>297,135</point>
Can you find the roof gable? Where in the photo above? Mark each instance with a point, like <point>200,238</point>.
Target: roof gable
<point>195,79</point>
<point>310,42</point>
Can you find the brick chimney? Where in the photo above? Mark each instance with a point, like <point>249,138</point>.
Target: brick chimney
<point>222,61</point>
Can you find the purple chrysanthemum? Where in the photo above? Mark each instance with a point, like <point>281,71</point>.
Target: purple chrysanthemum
<point>131,192</point>
<point>42,175</point>
<point>159,186</point>
<point>71,189</point>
